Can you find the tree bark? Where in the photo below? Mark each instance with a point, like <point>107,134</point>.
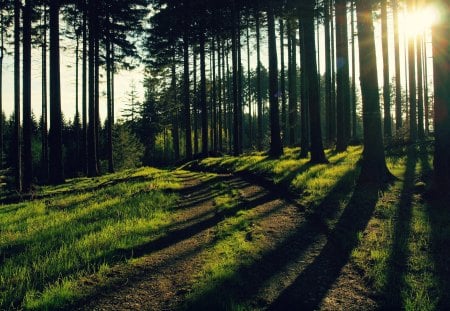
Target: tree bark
<point>373,166</point>
<point>234,52</point>
<point>109,101</point>
<point>187,106</point>
<point>55,135</point>
<point>2,50</point>
<point>283,84</point>
<point>329,117</point>
<point>292,83</point>
<point>276,148</point>
<point>16,136</point>
<point>412,83</point>
<point>398,85</point>
<point>304,113</point>
<point>441,68</point>
<point>84,148</point>
<point>26,67</point>
<point>203,107</point>
<point>342,78</point>
<point>317,152</point>
<point>419,64</point>
<point>258,84</point>
<point>91,142</point>
<point>386,82</point>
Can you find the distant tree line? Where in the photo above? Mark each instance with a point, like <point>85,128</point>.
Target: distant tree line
<point>201,98</point>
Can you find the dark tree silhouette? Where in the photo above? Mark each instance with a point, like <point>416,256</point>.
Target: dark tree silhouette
<point>373,166</point>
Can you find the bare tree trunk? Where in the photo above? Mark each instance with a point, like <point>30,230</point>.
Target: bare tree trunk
<point>412,83</point>
<point>55,136</point>
<point>234,47</point>
<point>317,152</point>
<point>304,113</point>
<point>398,85</point>
<point>283,85</point>
<point>109,100</point>
<point>187,105</point>
<point>373,167</point>
<point>91,142</point>
<point>195,103</point>
<point>441,65</point>
<point>342,78</point>
<point>276,148</point>
<point>16,136</point>
<point>84,148</point>
<point>203,107</point>
<point>2,51</point>
<point>249,95</point>
<point>258,84</point>
<point>329,121</point>
<point>354,99</point>
<point>26,67</point>
<point>419,64</point>
<point>386,82</point>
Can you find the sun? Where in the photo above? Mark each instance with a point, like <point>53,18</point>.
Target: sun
<point>419,21</point>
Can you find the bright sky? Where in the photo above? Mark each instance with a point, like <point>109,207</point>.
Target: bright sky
<point>418,22</point>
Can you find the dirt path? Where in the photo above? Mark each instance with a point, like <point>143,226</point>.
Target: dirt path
<point>296,269</point>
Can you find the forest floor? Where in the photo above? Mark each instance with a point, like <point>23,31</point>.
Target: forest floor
<point>231,233</point>
<point>294,270</point>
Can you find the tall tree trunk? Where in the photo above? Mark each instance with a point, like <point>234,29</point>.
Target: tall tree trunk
<point>354,97</point>
<point>386,82</point>
<point>258,84</point>
<point>317,152</point>
<point>195,103</point>
<point>425,82</point>
<point>16,136</point>
<point>329,120</point>
<point>219,88</point>
<point>283,84</point>
<point>175,132</point>
<point>419,64</point>
<point>373,167</point>
<point>304,113</point>
<point>292,83</point>
<point>230,103</point>
<point>97,96</point>
<point>2,50</point>
<point>412,83</point>
<point>187,106</point>
<point>91,142</point>
<point>276,148</point>
<point>84,147</point>
<point>234,48</point>
<point>55,135</point>
<point>398,85</point>
<point>240,83</point>
<point>214,98</point>
<point>333,74</point>
<point>342,77</point>
<point>203,107</point>
<point>76,120</point>
<point>109,124</point>
<point>441,65</point>
<point>26,67</point>
<point>249,93</point>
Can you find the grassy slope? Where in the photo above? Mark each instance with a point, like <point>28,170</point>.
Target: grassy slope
<point>77,229</point>
<point>49,245</point>
<point>400,252</point>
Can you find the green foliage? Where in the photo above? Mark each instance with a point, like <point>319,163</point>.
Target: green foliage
<point>47,246</point>
<point>127,149</point>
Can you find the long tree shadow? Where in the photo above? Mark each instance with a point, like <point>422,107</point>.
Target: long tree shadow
<point>399,252</point>
<point>292,248</point>
<point>311,286</point>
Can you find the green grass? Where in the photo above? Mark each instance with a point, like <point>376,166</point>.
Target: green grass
<point>401,252</point>
<point>48,245</point>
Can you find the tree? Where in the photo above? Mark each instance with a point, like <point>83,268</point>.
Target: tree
<point>56,173</point>
<point>386,82</point>
<point>373,166</point>
<point>412,83</point>
<point>187,107</point>
<point>441,65</point>
<point>276,148</point>
<point>317,152</point>
<point>398,86</point>
<point>342,77</point>
<point>26,61</point>
<point>16,140</point>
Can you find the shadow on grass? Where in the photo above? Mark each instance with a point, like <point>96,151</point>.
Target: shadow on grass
<point>313,283</point>
<point>249,280</point>
<point>399,252</point>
